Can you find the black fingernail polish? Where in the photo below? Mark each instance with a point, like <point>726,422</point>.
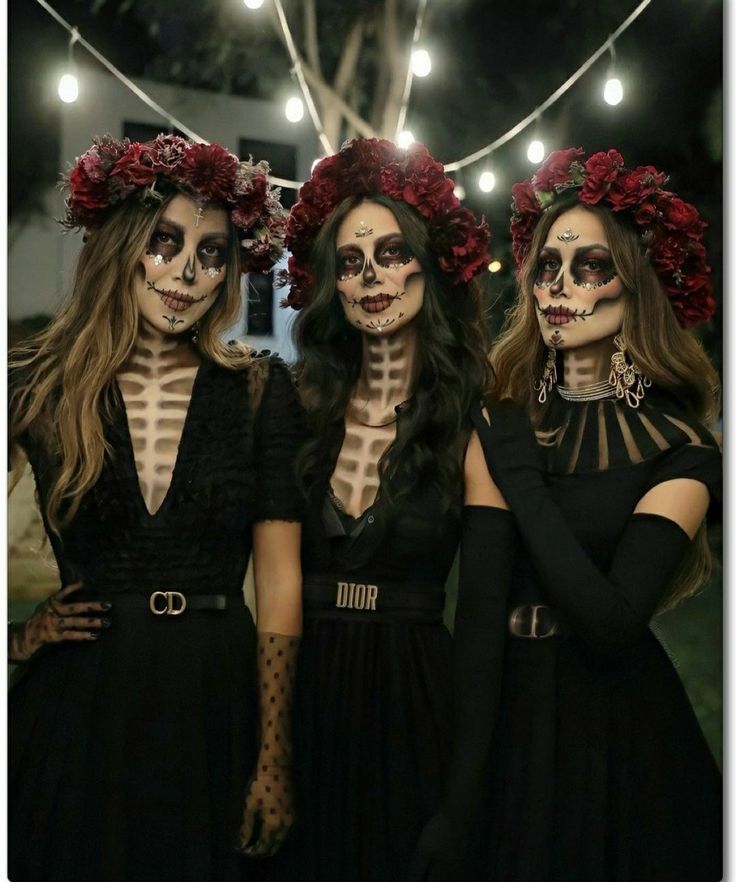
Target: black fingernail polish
<point>95,635</point>
<point>106,623</point>
<point>107,605</point>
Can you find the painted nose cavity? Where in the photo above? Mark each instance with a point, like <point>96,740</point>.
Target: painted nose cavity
<point>556,288</point>
<point>189,271</point>
<point>369,273</point>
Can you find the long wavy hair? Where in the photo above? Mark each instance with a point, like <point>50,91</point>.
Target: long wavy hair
<point>671,357</point>
<point>452,364</point>
<point>61,379</point>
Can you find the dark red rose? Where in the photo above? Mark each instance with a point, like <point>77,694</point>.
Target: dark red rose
<point>556,168</point>
<point>601,169</point>
<point>681,215</point>
<point>634,187</point>
<point>692,307</point>
<point>668,253</point>
<point>135,166</point>
<point>522,230</point>
<point>208,169</point>
<point>249,206</point>
<point>461,243</point>
<point>524,200</point>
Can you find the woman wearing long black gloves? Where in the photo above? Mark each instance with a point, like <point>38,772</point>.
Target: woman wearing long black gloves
<point>600,770</point>
<point>391,357</point>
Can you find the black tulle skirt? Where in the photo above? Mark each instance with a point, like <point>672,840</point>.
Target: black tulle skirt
<point>371,726</point>
<point>600,772</point>
<point>129,757</point>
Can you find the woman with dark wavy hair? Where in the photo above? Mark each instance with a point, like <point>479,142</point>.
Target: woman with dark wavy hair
<point>600,771</point>
<point>391,346</point>
<point>162,456</point>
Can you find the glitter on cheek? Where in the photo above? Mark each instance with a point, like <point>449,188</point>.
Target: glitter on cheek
<point>212,271</point>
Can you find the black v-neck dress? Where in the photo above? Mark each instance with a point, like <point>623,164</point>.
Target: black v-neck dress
<point>600,770</point>
<point>129,757</point>
<point>373,695</point>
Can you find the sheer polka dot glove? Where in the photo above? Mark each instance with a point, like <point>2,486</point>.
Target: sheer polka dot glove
<point>268,813</point>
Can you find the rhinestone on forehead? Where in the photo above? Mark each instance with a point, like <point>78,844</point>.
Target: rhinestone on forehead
<point>568,236</point>
<point>363,230</point>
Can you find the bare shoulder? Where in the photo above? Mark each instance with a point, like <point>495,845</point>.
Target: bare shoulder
<point>480,488</point>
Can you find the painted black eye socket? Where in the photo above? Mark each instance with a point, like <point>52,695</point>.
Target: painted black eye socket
<point>349,264</point>
<point>165,243</point>
<point>394,253</point>
<point>211,255</point>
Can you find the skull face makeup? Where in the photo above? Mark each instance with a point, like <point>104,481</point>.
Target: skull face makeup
<point>379,280</point>
<point>183,266</point>
<point>577,293</point>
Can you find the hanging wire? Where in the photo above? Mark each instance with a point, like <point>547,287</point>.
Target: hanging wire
<point>421,9</point>
<point>555,96</point>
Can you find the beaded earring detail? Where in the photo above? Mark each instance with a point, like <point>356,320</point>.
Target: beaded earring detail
<point>626,377</point>
<point>549,376</point>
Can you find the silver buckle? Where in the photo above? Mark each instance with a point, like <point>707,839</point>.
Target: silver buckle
<point>168,609</point>
<point>534,621</point>
<point>356,595</point>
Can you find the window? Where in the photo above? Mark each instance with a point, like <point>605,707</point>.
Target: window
<point>259,304</point>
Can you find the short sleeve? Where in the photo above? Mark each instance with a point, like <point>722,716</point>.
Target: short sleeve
<point>280,428</point>
<point>699,462</point>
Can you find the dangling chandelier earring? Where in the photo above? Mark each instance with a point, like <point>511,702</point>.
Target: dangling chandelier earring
<point>626,377</point>
<point>549,376</point>
<point>195,332</point>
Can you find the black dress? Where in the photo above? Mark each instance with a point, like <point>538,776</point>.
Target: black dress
<point>373,683</point>
<point>129,757</point>
<point>600,769</point>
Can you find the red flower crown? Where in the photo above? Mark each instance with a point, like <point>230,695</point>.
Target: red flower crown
<point>671,228</point>
<point>365,166</point>
<point>111,171</point>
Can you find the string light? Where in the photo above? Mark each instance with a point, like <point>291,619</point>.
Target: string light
<point>253,4</point>
<point>487,181</point>
<point>406,139</point>
<point>421,63</point>
<point>613,91</point>
<point>68,88</point>
<point>459,191</point>
<point>495,265</point>
<point>535,152</point>
<point>294,109</point>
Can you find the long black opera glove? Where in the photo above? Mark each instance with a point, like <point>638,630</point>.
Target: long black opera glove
<point>609,610</point>
<point>487,552</point>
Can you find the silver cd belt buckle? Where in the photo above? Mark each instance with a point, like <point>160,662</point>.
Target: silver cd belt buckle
<point>167,603</point>
<point>533,621</point>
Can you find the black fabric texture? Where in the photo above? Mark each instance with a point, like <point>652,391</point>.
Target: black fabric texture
<point>599,770</point>
<point>487,554</point>
<point>372,702</point>
<point>129,756</point>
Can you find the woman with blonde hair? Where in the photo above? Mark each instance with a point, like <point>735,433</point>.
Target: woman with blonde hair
<point>600,770</point>
<point>162,455</point>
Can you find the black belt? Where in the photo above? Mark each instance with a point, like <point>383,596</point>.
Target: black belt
<point>176,603</point>
<point>359,596</point>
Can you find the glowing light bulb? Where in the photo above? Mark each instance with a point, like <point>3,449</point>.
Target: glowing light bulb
<point>494,266</point>
<point>487,181</point>
<point>68,88</point>
<point>294,109</point>
<point>459,191</point>
<point>421,63</point>
<point>406,139</point>
<point>535,152</point>
<point>613,91</point>
<point>315,162</point>
<point>253,4</point>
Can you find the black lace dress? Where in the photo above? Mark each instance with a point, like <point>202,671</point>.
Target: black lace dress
<point>600,769</point>
<point>129,757</point>
<point>373,684</point>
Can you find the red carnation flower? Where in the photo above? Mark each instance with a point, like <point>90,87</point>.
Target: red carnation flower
<point>524,200</point>
<point>601,170</point>
<point>556,168</point>
<point>210,170</point>
<point>168,151</point>
<point>461,243</point>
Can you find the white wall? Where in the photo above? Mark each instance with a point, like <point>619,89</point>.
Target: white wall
<point>41,257</point>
